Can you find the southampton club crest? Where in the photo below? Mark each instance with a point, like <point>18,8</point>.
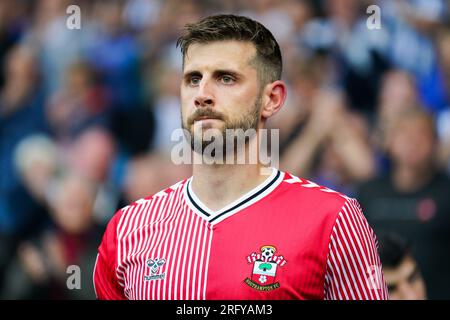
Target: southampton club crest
<point>265,265</point>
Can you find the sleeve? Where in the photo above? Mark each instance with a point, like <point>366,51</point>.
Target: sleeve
<point>106,284</point>
<point>353,265</point>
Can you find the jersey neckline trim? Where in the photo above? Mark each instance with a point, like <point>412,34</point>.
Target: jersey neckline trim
<point>246,200</point>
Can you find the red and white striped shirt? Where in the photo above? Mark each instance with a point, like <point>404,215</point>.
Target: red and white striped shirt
<point>286,239</point>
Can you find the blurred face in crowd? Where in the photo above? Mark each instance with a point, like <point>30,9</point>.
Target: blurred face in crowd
<point>78,79</point>
<point>110,15</point>
<point>444,50</point>
<point>73,206</point>
<point>93,153</point>
<point>20,64</point>
<point>397,95</point>
<point>220,87</point>
<point>345,11</point>
<point>405,281</point>
<point>412,142</point>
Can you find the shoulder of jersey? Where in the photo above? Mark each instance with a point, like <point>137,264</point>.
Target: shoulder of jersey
<point>160,194</point>
<point>297,184</point>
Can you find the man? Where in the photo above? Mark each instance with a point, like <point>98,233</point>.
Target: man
<point>412,198</point>
<point>230,231</point>
<point>403,277</point>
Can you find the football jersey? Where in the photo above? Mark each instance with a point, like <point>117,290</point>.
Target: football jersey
<point>288,238</point>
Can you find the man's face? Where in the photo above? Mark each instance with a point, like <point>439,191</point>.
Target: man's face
<point>405,281</point>
<point>220,88</point>
<point>412,143</point>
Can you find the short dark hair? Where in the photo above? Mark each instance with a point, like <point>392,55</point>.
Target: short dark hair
<point>268,61</point>
<point>393,249</point>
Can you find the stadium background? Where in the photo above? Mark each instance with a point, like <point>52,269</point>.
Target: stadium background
<point>86,117</point>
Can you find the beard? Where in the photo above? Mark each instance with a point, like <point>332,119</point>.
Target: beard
<point>228,134</point>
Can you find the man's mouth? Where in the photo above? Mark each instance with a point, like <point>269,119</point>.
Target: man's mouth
<point>206,118</point>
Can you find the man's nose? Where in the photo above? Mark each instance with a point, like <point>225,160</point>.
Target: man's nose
<point>204,97</point>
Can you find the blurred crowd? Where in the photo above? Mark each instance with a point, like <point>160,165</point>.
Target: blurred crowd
<point>86,117</point>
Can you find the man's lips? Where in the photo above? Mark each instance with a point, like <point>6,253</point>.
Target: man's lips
<point>206,118</point>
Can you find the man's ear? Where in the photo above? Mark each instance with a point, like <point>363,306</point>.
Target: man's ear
<point>274,95</point>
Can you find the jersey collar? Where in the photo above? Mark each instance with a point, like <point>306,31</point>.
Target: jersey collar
<point>246,200</point>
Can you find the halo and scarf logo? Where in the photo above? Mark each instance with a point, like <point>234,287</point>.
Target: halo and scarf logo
<point>265,265</point>
<point>155,264</point>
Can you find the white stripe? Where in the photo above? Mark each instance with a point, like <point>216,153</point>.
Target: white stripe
<point>93,276</point>
<point>359,265</point>
<point>197,252</point>
<point>353,264</point>
<point>207,264</point>
<point>144,245</point>
<point>182,218</point>
<point>137,236</point>
<point>169,230</point>
<point>334,275</point>
<point>362,251</point>
<point>185,254</point>
<point>369,238</point>
<point>202,256</point>
<point>175,218</point>
<point>157,241</point>
<point>341,268</point>
<point>189,263</point>
<point>179,254</point>
<point>124,251</point>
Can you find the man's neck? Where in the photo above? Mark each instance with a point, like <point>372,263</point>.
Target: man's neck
<point>218,185</point>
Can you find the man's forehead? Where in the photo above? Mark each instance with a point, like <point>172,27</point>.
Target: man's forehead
<point>219,55</point>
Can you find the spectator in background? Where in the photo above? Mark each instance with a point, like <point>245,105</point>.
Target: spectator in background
<point>93,156</point>
<point>21,114</point>
<point>412,200</point>
<point>114,55</point>
<point>167,104</point>
<point>360,55</point>
<point>38,163</point>
<point>38,271</point>
<point>410,25</point>
<point>78,104</point>
<point>398,95</point>
<point>57,45</point>
<point>443,117</point>
<point>401,271</point>
<point>13,24</point>
<point>338,137</point>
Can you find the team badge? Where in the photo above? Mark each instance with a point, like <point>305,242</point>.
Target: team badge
<point>265,265</point>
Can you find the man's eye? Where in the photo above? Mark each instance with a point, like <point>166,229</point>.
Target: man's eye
<point>194,81</point>
<point>227,79</point>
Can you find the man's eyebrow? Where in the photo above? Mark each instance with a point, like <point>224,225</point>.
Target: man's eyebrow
<point>216,73</point>
<point>226,71</point>
<point>189,74</point>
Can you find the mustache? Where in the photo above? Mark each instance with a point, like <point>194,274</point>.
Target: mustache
<point>200,113</point>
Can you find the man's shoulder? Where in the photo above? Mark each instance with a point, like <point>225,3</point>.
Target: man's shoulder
<point>301,188</point>
<point>314,202</point>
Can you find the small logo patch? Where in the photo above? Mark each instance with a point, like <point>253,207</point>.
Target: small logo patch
<point>265,265</point>
<point>155,264</point>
